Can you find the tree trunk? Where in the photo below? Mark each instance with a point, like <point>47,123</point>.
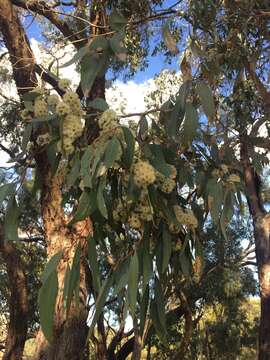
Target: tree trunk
<point>262,231</point>
<point>17,301</point>
<point>261,224</point>
<point>70,331</point>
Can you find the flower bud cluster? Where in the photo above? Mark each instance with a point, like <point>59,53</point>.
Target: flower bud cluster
<point>144,174</point>
<point>64,84</point>
<point>53,100</point>
<point>40,107</point>
<point>72,129</point>
<point>166,184</point>
<point>185,216</point>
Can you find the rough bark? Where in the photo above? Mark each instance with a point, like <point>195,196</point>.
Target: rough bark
<point>18,46</point>
<point>17,301</point>
<point>261,224</point>
<point>71,330</point>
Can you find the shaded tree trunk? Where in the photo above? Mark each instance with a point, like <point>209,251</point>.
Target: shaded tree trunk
<point>261,224</point>
<point>70,331</point>
<point>17,301</point>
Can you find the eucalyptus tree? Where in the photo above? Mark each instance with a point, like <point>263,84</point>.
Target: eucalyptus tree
<point>124,208</point>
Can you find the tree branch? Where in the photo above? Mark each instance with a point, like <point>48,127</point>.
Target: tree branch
<point>42,8</point>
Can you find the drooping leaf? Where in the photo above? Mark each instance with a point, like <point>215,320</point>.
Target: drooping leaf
<point>98,104</point>
<point>93,261</point>
<point>161,332</point>
<point>122,276</point>
<point>26,136</point>
<point>101,301</point>
<point>92,66</point>
<point>51,266</point>
<point>185,263</point>
<point>117,46</point>
<point>112,152</point>
<point>77,56</point>
<point>72,176</point>
<point>87,205</point>
<point>206,98</point>
<point>159,299</point>
<point>7,190</point>
<point>133,283</point>
<point>74,277</point>
<point>177,111</point>
<point>190,124</point>
<point>66,286</point>
<point>143,309</point>
<point>100,199</point>
<point>169,39</point>
<point>11,220</point>
<point>47,300</point>
<point>85,166</point>
<point>143,127</point>
<point>30,96</point>
<point>166,248</point>
<point>215,199</point>
<point>117,21</point>
<point>129,150</point>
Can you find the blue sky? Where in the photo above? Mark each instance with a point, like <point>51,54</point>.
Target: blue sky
<point>156,63</point>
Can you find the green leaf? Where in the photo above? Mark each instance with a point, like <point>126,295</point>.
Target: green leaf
<point>74,277</point>
<point>227,211</point>
<point>185,264</point>
<point>66,286</point>
<point>128,153</point>
<point>101,301</point>
<point>11,220</point>
<point>117,46</point>
<point>43,118</point>
<point>26,136</point>
<point>93,261</point>
<point>143,127</point>
<point>7,190</point>
<point>30,96</point>
<point>51,266</point>
<point>133,283</point>
<point>122,276</point>
<point>191,123</point>
<point>85,166</point>
<point>169,39</point>
<point>146,258</point>
<point>87,205</point>
<point>147,269</point>
<point>100,199</point>
<point>175,117</point>
<point>143,309</point>
<point>91,67</point>
<point>99,104</point>
<point>73,175</point>
<point>160,302</point>
<point>77,56</point>
<point>161,332</point>
<point>166,247</point>
<point>117,21</point>
<point>206,97</point>
<point>215,191</point>
<point>46,301</point>
<point>112,152</point>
